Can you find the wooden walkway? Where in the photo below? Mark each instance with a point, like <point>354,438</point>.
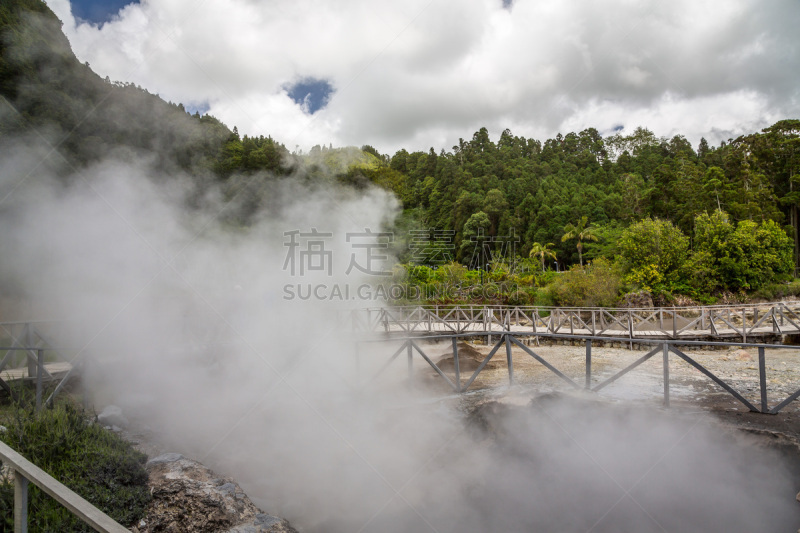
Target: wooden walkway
<point>56,370</point>
<point>24,349</point>
<point>741,323</point>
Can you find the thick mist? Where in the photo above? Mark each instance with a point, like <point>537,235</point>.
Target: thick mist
<point>182,317</point>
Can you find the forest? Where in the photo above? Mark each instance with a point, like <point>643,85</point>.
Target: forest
<point>632,212</point>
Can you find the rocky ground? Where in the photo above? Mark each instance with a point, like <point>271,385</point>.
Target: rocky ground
<point>188,497</point>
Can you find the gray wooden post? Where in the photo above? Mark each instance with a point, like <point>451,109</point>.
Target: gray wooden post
<point>410,360</point>
<point>630,329</point>
<point>665,356</point>
<point>39,372</point>
<point>488,321</point>
<point>762,379</point>
<point>588,364</point>
<point>20,502</point>
<point>455,364</point>
<point>509,361</point>
<point>744,327</point>
<point>28,353</point>
<point>674,324</point>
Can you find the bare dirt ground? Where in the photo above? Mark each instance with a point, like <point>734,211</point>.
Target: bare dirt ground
<point>690,390</point>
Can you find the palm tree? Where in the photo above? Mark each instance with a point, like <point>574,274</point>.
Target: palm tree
<point>581,232</point>
<point>542,252</point>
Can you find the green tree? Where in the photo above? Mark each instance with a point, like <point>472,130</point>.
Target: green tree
<point>579,232</point>
<point>714,183</point>
<point>744,256</point>
<point>475,234</point>
<point>495,205</point>
<point>653,252</point>
<point>542,252</point>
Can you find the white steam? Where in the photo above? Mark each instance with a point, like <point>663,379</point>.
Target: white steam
<point>183,321</point>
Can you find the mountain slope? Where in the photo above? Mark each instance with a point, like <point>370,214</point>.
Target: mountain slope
<point>46,90</point>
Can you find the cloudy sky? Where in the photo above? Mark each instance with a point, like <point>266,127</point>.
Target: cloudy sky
<point>422,73</point>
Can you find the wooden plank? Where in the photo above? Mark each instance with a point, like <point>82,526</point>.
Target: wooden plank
<point>484,362</point>
<point>20,503</point>
<point>627,369</point>
<point>427,359</point>
<point>536,356</point>
<point>714,378</point>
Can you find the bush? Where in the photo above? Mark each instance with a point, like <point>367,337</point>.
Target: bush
<point>451,273</point>
<point>92,461</point>
<point>744,256</point>
<point>777,291</point>
<point>596,285</point>
<point>653,252</point>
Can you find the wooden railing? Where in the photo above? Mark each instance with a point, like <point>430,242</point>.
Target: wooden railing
<point>30,340</point>
<point>663,322</point>
<point>25,472</point>
<point>411,344</point>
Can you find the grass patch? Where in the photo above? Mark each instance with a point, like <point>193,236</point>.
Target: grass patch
<point>95,463</point>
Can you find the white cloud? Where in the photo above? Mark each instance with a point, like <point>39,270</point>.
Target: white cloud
<point>424,73</point>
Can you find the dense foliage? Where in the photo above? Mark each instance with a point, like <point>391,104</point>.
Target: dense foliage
<point>92,461</point>
<point>675,219</point>
<point>537,191</point>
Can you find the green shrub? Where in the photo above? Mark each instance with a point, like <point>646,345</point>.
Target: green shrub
<point>777,291</point>
<point>92,461</point>
<point>653,252</point>
<point>743,256</point>
<point>452,273</point>
<point>595,285</point>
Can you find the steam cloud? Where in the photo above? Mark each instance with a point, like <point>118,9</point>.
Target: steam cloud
<point>182,321</point>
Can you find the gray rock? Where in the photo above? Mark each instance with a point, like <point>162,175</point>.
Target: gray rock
<point>164,458</point>
<point>112,416</point>
<point>187,493</point>
<point>230,488</point>
<point>266,520</point>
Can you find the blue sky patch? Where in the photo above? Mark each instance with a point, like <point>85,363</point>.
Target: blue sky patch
<point>197,107</point>
<point>311,93</point>
<point>98,11</point>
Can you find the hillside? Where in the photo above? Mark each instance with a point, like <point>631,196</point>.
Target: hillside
<point>49,93</point>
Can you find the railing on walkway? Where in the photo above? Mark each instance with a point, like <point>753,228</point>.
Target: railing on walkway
<point>656,323</point>
<point>25,472</point>
<point>28,339</point>
<point>411,344</point>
